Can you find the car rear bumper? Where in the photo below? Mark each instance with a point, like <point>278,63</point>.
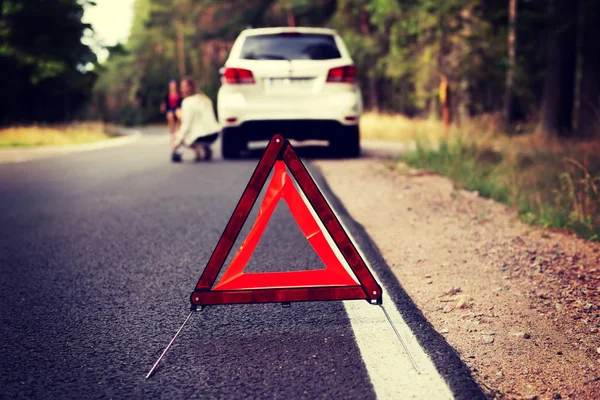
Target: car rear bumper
<point>291,129</point>
<point>236,110</point>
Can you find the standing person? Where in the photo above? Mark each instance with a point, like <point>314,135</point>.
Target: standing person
<point>199,127</point>
<point>172,106</point>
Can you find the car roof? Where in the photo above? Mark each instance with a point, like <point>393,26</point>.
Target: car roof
<point>271,31</point>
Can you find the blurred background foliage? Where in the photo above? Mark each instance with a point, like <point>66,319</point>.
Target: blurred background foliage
<point>42,60</point>
<point>538,63</point>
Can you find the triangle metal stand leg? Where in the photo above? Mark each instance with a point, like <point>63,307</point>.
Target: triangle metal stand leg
<point>169,345</point>
<point>406,350</point>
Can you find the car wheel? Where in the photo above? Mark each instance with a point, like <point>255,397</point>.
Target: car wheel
<point>347,142</point>
<point>231,145</point>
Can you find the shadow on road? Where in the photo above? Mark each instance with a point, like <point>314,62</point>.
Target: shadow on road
<point>303,151</point>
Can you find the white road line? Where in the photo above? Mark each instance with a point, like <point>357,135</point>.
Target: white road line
<point>390,370</point>
<point>388,366</point>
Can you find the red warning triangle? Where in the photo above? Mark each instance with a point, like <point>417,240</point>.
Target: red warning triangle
<point>346,276</point>
<point>281,187</point>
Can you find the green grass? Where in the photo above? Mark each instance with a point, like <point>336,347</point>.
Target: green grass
<point>54,135</point>
<point>552,186</point>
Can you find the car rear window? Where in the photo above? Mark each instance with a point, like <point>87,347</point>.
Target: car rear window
<point>295,46</point>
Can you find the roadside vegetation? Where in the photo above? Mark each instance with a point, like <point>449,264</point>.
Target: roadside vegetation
<point>499,69</point>
<point>398,128</point>
<point>552,183</point>
<point>55,135</point>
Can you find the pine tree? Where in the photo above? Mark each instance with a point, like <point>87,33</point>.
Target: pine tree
<point>559,88</point>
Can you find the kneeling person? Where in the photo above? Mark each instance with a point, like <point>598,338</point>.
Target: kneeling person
<point>199,126</point>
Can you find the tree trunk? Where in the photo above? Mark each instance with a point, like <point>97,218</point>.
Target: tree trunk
<point>196,62</point>
<point>509,113</point>
<point>588,124</point>
<point>373,95</point>
<point>557,103</point>
<point>180,49</point>
<point>291,18</point>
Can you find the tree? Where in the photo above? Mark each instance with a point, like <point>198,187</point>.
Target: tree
<point>559,88</point>
<point>356,25</point>
<point>509,108</point>
<point>588,125</point>
<point>43,60</point>
<point>400,48</point>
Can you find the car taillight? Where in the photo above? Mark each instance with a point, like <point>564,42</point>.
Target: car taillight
<point>345,74</point>
<point>237,76</point>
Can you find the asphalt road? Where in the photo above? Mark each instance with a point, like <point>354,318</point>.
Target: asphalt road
<point>99,252</point>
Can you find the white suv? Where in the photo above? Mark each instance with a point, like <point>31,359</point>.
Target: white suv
<point>300,82</point>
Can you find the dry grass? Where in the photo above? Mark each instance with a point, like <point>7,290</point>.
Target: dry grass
<point>398,128</point>
<point>554,183</point>
<point>55,135</point>
<point>484,132</point>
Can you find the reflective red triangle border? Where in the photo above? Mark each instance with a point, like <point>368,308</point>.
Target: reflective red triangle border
<point>280,149</point>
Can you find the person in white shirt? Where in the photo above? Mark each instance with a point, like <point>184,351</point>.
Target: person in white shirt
<point>199,127</point>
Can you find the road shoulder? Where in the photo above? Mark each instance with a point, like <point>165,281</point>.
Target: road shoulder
<point>499,291</point>
<point>19,155</point>
<point>444,357</point>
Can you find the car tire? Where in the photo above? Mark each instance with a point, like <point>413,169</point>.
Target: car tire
<point>347,142</point>
<point>231,144</point>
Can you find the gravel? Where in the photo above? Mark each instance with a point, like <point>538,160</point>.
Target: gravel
<point>542,284</point>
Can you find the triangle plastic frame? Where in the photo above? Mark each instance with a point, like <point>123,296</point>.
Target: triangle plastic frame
<point>206,293</point>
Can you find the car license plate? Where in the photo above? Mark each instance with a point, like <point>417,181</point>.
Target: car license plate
<point>288,83</point>
<point>278,82</point>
